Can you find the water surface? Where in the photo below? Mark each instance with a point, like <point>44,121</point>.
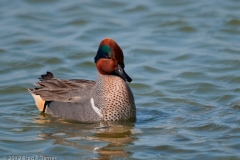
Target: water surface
<point>183,57</point>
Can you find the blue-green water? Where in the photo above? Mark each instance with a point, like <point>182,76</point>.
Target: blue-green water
<point>183,57</point>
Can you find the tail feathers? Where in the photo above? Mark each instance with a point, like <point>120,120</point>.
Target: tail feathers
<point>46,76</point>
<point>31,90</point>
<point>38,100</point>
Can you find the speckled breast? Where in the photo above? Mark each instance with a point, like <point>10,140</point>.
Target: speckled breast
<point>114,98</point>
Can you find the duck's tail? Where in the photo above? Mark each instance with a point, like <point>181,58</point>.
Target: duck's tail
<point>38,100</point>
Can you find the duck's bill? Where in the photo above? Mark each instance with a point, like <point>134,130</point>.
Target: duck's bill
<point>121,73</point>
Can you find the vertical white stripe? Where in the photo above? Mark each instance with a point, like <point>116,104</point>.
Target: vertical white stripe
<point>95,108</point>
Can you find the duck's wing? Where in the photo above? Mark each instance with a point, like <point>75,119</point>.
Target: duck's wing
<point>52,89</point>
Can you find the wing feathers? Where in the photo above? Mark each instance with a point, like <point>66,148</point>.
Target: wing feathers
<point>52,89</point>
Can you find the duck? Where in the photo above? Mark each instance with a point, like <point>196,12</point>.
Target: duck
<point>109,98</point>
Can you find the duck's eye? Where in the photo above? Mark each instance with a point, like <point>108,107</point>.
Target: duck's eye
<point>108,56</point>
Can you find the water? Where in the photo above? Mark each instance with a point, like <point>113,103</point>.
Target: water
<point>183,57</point>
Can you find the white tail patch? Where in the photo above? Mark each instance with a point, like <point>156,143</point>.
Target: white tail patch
<point>95,108</point>
<point>39,101</point>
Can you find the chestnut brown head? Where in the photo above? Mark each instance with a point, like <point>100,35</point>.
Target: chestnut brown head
<point>110,60</point>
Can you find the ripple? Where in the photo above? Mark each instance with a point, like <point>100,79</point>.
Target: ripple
<point>12,89</point>
<point>17,130</point>
<point>193,75</point>
<point>140,87</point>
<point>187,29</point>
<point>136,131</point>
<point>79,22</point>
<point>234,22</point>
<point>152,70</point>
<point>59,135</point>
<point>138,8</point>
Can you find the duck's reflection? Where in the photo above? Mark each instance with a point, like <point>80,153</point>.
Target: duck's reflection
<point>118,135</point>
<point>108,139</point>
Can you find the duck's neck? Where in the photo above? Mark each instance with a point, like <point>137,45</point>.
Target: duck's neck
<point>109,86</point>
<point>109,79</point>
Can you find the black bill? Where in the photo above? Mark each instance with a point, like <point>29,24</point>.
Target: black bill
<point>121,73</point>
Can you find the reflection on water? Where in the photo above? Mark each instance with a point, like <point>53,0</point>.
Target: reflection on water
<point>118,136</point>
<point>112,136</point>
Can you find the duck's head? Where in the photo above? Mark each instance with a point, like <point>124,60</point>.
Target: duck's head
<point>109,59</point>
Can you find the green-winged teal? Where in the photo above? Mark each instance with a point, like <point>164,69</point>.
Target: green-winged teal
<point>107,99</point>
